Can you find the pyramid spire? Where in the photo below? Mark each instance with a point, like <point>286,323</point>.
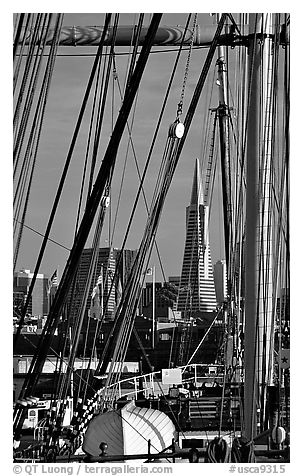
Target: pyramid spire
<point>196,191</point>
<point>197,289</point>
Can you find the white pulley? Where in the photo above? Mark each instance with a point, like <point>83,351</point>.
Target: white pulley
<point>278,434</point>
<point>105,201</point>
<point>176,130</point>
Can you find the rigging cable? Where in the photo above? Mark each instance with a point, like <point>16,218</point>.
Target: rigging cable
<point>21,54</point>
<point>148,159</point>
<point>17,36</point>
<point>129,127</point>
<point>28,66</point>
<point>87,149</point>
<point>97,330</point>
<point>242,451</point>
<point>154,138</point>
<point>135,42</point>
<point>179,111</point>
<point>49,239</point>
<point>20,135</point>
<point>217,451</point>
<point>63,177</point>
<point>36,141</point>
<point>99,226</point>
<point>158,203</point>
<point>162,110</point>
<point>102,106</point>
<point>28,154</point>
<point>128,54</point>
<point>102,212</point>
<point>109,158</point>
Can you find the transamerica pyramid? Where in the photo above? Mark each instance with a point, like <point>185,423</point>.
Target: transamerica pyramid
<point>197,288</point>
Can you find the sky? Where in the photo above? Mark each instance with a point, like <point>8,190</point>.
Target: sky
<point>67,89</point>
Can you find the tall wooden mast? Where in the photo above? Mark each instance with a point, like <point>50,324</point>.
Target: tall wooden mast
<point>258,246</point>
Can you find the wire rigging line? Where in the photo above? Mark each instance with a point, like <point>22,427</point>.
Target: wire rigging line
<point>128,54</point>
<point>87,149</point>
<point>64,174</point>
<point>20,54</point>
<point>88,55</point>
<point>36,139</point>
<point>129,127</point>
<point>150,152</point>
<point>26,162</point>
<point>89,214</point>
<point>19,135</point>
<point>18,32</point>
<point>129,142</point>
<point>77,326</point>
<point>49,239</point>
<point>100,113</point>
<point>102,107</point>
<point>194,101</point>
<point>123,346</point>
<point>31,61</point>
<point>174,150</point>
<point>135,42</point>
<point>122,247</point>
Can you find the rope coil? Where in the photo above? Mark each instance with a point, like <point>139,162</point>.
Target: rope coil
<point>218,451</point>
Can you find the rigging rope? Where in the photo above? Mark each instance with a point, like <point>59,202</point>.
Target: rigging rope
<point>217,451</point>
<point>19,135</point>
<point>37,128</point>
<point>242,451</point>
<point>63,177</point>
<point>99,226</point>
<point>20,54</point>
<point>18,32</point>
<point>158,202</point>
<point>135,42</point>
<point>77,325</point>
<point>109,159</point>
<point>41,234</point>
<point>151,150</point>
<point>28,65</point>
<point>101,107</point>
<point>90,131</point>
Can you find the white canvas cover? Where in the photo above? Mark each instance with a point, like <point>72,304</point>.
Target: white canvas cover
<point>128,430</point>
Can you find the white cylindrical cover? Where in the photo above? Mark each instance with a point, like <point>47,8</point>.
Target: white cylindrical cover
<point>128,430</point>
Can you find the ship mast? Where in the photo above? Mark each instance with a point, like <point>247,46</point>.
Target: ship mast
<point>223,119</point>
<point>258,246</point>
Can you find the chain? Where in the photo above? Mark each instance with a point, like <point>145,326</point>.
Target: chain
<point>180,105</point>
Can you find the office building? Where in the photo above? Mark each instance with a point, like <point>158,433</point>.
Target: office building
<point>39,301</point>
<point>197,289</point>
